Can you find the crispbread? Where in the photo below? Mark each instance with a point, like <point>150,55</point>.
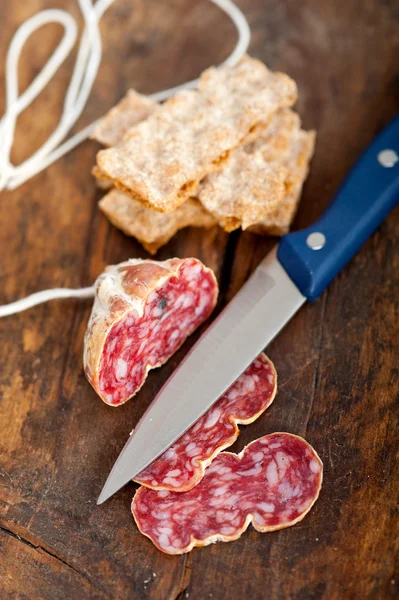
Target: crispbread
<point>162,159</point>
<point>275,140</point>
<point>296,159</point>
<point>244,80</point>
<point>252,183</point>
<point>261,181</point>
<point>101,182</point>
<point>132,109</point>
<point>153,229</point>
<point>245,189</point>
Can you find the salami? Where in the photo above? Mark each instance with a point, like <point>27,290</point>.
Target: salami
<point>182,466</point>
<point>143,311</point>
<point>272,484</point>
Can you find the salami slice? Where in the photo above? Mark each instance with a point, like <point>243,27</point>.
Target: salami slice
<point>182,466</point>
<point>272,484</point>
<point>142,313</point>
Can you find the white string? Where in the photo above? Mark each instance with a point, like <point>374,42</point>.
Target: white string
<point>85,71</point>
<point>82,80</point>
<point>44,296</point>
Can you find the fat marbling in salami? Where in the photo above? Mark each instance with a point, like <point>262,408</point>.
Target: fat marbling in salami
<point>272,484</point>
<point>182,466</point>
<point>143,311</point>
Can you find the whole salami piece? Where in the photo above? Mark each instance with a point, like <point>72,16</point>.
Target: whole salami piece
<point>182,466</point>
<point>143,311</point>
<point>272,484</point>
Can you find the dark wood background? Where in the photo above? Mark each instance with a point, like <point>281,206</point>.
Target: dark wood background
<point>337,360</point>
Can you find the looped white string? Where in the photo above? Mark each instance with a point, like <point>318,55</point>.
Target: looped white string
<point>82,80</point>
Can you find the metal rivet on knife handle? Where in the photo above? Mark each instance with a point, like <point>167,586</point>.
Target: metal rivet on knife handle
<point>387,158</point>
<point>316,240</point>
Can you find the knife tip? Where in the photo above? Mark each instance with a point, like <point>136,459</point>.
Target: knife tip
<point>102,497</point>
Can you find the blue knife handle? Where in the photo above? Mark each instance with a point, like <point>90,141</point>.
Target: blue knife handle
<point>366,196</point>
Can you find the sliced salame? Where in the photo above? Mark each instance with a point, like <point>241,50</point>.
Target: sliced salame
<point>235,491</point>
<point>140,318</point>
<point>247,398</point>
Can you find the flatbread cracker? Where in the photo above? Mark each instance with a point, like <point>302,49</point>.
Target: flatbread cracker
<point>261,182</point>
<point>253,182</point>
<point>241,193</point>
<point>132,109</point>
<point>296,160</point>
<point>275,140</point>
<point>101,183</point>
<point>161,160</point>
<point>152,229</point>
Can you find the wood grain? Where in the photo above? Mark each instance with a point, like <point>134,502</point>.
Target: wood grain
<point>337,360</point>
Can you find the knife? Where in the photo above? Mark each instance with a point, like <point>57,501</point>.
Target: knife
<point>297,270</point>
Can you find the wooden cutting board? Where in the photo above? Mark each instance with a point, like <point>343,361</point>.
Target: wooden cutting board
<point>337,360</point>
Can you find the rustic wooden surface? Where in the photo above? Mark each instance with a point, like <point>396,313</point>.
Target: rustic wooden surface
<point>337,360</point>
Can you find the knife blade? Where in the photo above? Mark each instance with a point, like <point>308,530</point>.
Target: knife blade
<point>297,270</point>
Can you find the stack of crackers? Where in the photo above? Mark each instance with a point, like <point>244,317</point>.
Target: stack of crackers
<point>231,153</point>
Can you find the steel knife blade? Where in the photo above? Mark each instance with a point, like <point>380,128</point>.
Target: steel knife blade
<point>298,269</point>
